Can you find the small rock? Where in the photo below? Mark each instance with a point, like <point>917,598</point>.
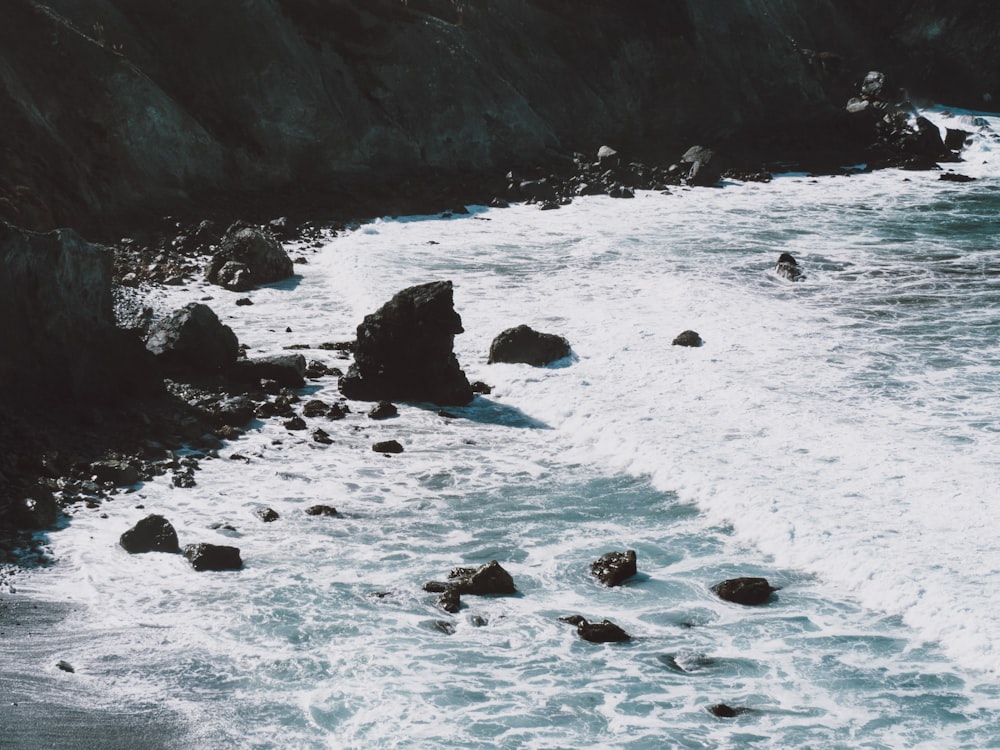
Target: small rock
<point>383,410</point>
<point>154,533</point>
<point>450,600</point>
<point>65,666</point>
<point>687,338</point>
<point>523,344</point>
<point>613,568</point>
<point>487,579</point>
<point>213,557</point>
<point>604,631</point>
<point>267,515</point>
<point>749,591</point>
<point>315,408</point>
<point>321,437</point>
<point>244,301</point>
<point>480,387</point>
<point>322,510</point>
<point>388,446</point>
<point>727,712</point>
<point>788,268</point>
<point>295,423</point>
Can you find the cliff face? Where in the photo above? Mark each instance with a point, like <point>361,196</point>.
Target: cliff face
<point>107,106</point>
<point>111,105</point>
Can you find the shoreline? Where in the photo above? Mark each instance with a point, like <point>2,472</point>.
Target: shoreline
<point>41,705</point>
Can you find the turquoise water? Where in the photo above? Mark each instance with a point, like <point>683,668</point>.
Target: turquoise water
<point>837,436</point>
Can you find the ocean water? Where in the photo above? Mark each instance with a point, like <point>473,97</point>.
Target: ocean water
<point>839,436</point>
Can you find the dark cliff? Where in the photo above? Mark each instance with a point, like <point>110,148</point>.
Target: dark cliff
<point>114,106</point>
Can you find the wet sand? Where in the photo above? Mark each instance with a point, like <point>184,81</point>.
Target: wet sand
<point>43,706</point>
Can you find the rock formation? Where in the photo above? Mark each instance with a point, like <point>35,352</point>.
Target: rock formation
<point>193,340</point>
<point>404,350</point>
<point>523,344</point>
<point>247,258</point>
<point>154,533</point>
<point>749,591</point>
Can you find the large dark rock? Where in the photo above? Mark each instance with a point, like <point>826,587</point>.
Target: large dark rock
<point>488,579</point>
<point>247,258</point>
<point>154,533</point>
<point>527,346</point>
<point>193,340</point>
<point>213,557</point>
<point>404,350</point>
<point>58,333</point>
<point>749,591</point>
<point>614,568</point>
<point>701,166</point>
<point>604,631</point>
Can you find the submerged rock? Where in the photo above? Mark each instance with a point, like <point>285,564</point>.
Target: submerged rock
<point>749,591</point>
<point>604,631</point>
<point>404,350</point>
<point>787,267</point>
<point>154,533</point>
<point>725,711</point>
<point>614,568</point>
<point>388,446</point>
<point>527,346</point>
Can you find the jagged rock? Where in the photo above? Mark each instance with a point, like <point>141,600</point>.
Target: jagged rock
<point>613,568</point>
<point>956,177</point>
<point>487,579</point>
<point>525,345</point>
<point>388,446</point>
<point>193,340</point>
<point>604,631</point>
<point>955,139</point>
<point>687,338</point>
<point>338,411</point>
<point>154,533</point>
<point>480,387</point>
<point>267,515</point>
<point>213,557</point>
<point>248,257</point>
<point>450,600</point>
<point>749,591</point>
<point>288,370</point>
<point>315,408</point>
<point>787,267</point>
<point>321,436</point>
<point>404,350</point>
<point>383,410</point>
<point>321,510</point>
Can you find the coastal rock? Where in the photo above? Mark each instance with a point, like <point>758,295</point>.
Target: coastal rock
<point>527,346</point>
<point>486,580</point>
<point>287,370</point>
<point>383,410</point>
<point>154,533</point>
<point>118,473</point>
<point>725,711</point>
<point>213,557</point>
<point>701,167</point>
<point>614,568</point>
<point>749,591</point>
<point>604,631</point>
<point>450,600</point>
<point>315,408</point>
<point>36,508</point>
<point>267,515</point>
<point>788,268</point>
<point>388,446</point>
<point>321,510</point>
<point>193,340</point>
<point>404,350</point>
<point>687,338</point>
<point>247,258</point>
<point>321,436</point>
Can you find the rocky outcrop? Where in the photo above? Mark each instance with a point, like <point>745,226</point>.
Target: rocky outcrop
<point>154,533</point>
<point>193,340</point>
<point>525,345</point>
<point>487,580</point>
<point>404,350</point>
<point>59,334</point>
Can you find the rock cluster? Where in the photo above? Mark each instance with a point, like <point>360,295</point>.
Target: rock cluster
<point>487,580</point>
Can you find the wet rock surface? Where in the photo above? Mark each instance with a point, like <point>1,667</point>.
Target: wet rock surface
<point>522,344</point>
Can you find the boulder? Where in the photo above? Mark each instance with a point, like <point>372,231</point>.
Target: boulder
<point>193,340</point>
<point>749,591</point>
<point>383,410</point>
<point>388,446</point>
<point>288,370</point>
<point>213,557</point>
<point>701,166</point>
<point>687,338</point>
<point>525,345</point>
<point>404,350</point>
<point>267,515</point>
<point>613,568</point>
<point>725,711</point>
<point>488,579</point>
<point>321,510</point>
<point>36,508</point>
<point>788,268</point>
<point>154,533</point>
<point>246,258</point>
<point>315,408</point>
